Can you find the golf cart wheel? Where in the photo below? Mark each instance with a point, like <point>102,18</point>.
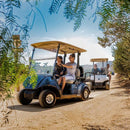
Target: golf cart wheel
<point>85,94</point>
<point>21,99</point>
<point>47,98</point>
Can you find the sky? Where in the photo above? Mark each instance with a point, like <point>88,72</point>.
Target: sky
<point>58,28</point>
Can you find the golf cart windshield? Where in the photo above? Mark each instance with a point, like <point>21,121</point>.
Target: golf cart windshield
<point>101,64</point>
<point>43,61</point>
<point>101,68</point>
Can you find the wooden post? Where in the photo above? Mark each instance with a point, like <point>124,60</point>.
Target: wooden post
<point>17,50</point>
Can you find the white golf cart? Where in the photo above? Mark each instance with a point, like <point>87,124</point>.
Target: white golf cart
<point>99,79</point>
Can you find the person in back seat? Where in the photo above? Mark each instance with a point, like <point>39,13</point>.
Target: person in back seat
<point>108,72</point>
<point>71,70</point>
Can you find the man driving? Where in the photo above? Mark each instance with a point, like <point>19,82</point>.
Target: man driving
<point>95,70</point>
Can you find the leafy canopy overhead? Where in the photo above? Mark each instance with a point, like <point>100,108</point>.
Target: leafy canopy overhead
<point>76,10</point>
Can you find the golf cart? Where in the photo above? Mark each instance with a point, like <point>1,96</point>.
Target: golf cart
<point>47,89</point>
<point>99,79</point>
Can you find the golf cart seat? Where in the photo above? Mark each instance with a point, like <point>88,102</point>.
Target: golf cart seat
<point>77,77</point>
<point>70,81</point>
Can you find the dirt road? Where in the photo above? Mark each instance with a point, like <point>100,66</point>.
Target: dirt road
<point>105,110</point>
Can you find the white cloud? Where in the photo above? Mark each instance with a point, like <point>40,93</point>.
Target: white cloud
<point>82,31</point>
<point>94,50</point>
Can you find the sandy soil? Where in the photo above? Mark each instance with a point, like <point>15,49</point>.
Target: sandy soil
<point>105,110</point>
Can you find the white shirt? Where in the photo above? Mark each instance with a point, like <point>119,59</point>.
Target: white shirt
<point>71,71</point>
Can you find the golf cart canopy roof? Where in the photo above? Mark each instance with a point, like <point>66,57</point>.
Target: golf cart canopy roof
<point>65,48</point>
<point>99,60</point>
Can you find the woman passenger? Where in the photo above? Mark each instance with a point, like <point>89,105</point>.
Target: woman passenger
<point>59,69</point>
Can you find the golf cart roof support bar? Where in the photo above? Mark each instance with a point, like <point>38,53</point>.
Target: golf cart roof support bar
<point>106,67</point>
<point>31,59</point>
<point>64,57</point>
<point>51,58</point>
<point>102,64</point>
<point>78,54</point>
<point>56,57</point>
<point>94,78</point>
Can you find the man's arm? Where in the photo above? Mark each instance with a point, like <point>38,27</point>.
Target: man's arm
<point>66,66</point>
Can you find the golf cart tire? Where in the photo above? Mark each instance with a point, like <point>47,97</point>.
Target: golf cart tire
<point>107,86</point>
<point>42,98</point>
<point>83,96</point>
<point>21,99</point>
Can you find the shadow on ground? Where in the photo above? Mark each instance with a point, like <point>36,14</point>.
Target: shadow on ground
<point>35,106</point>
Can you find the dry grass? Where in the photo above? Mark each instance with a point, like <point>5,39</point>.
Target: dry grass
<point>123,81</point>
<point>4,111</point>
